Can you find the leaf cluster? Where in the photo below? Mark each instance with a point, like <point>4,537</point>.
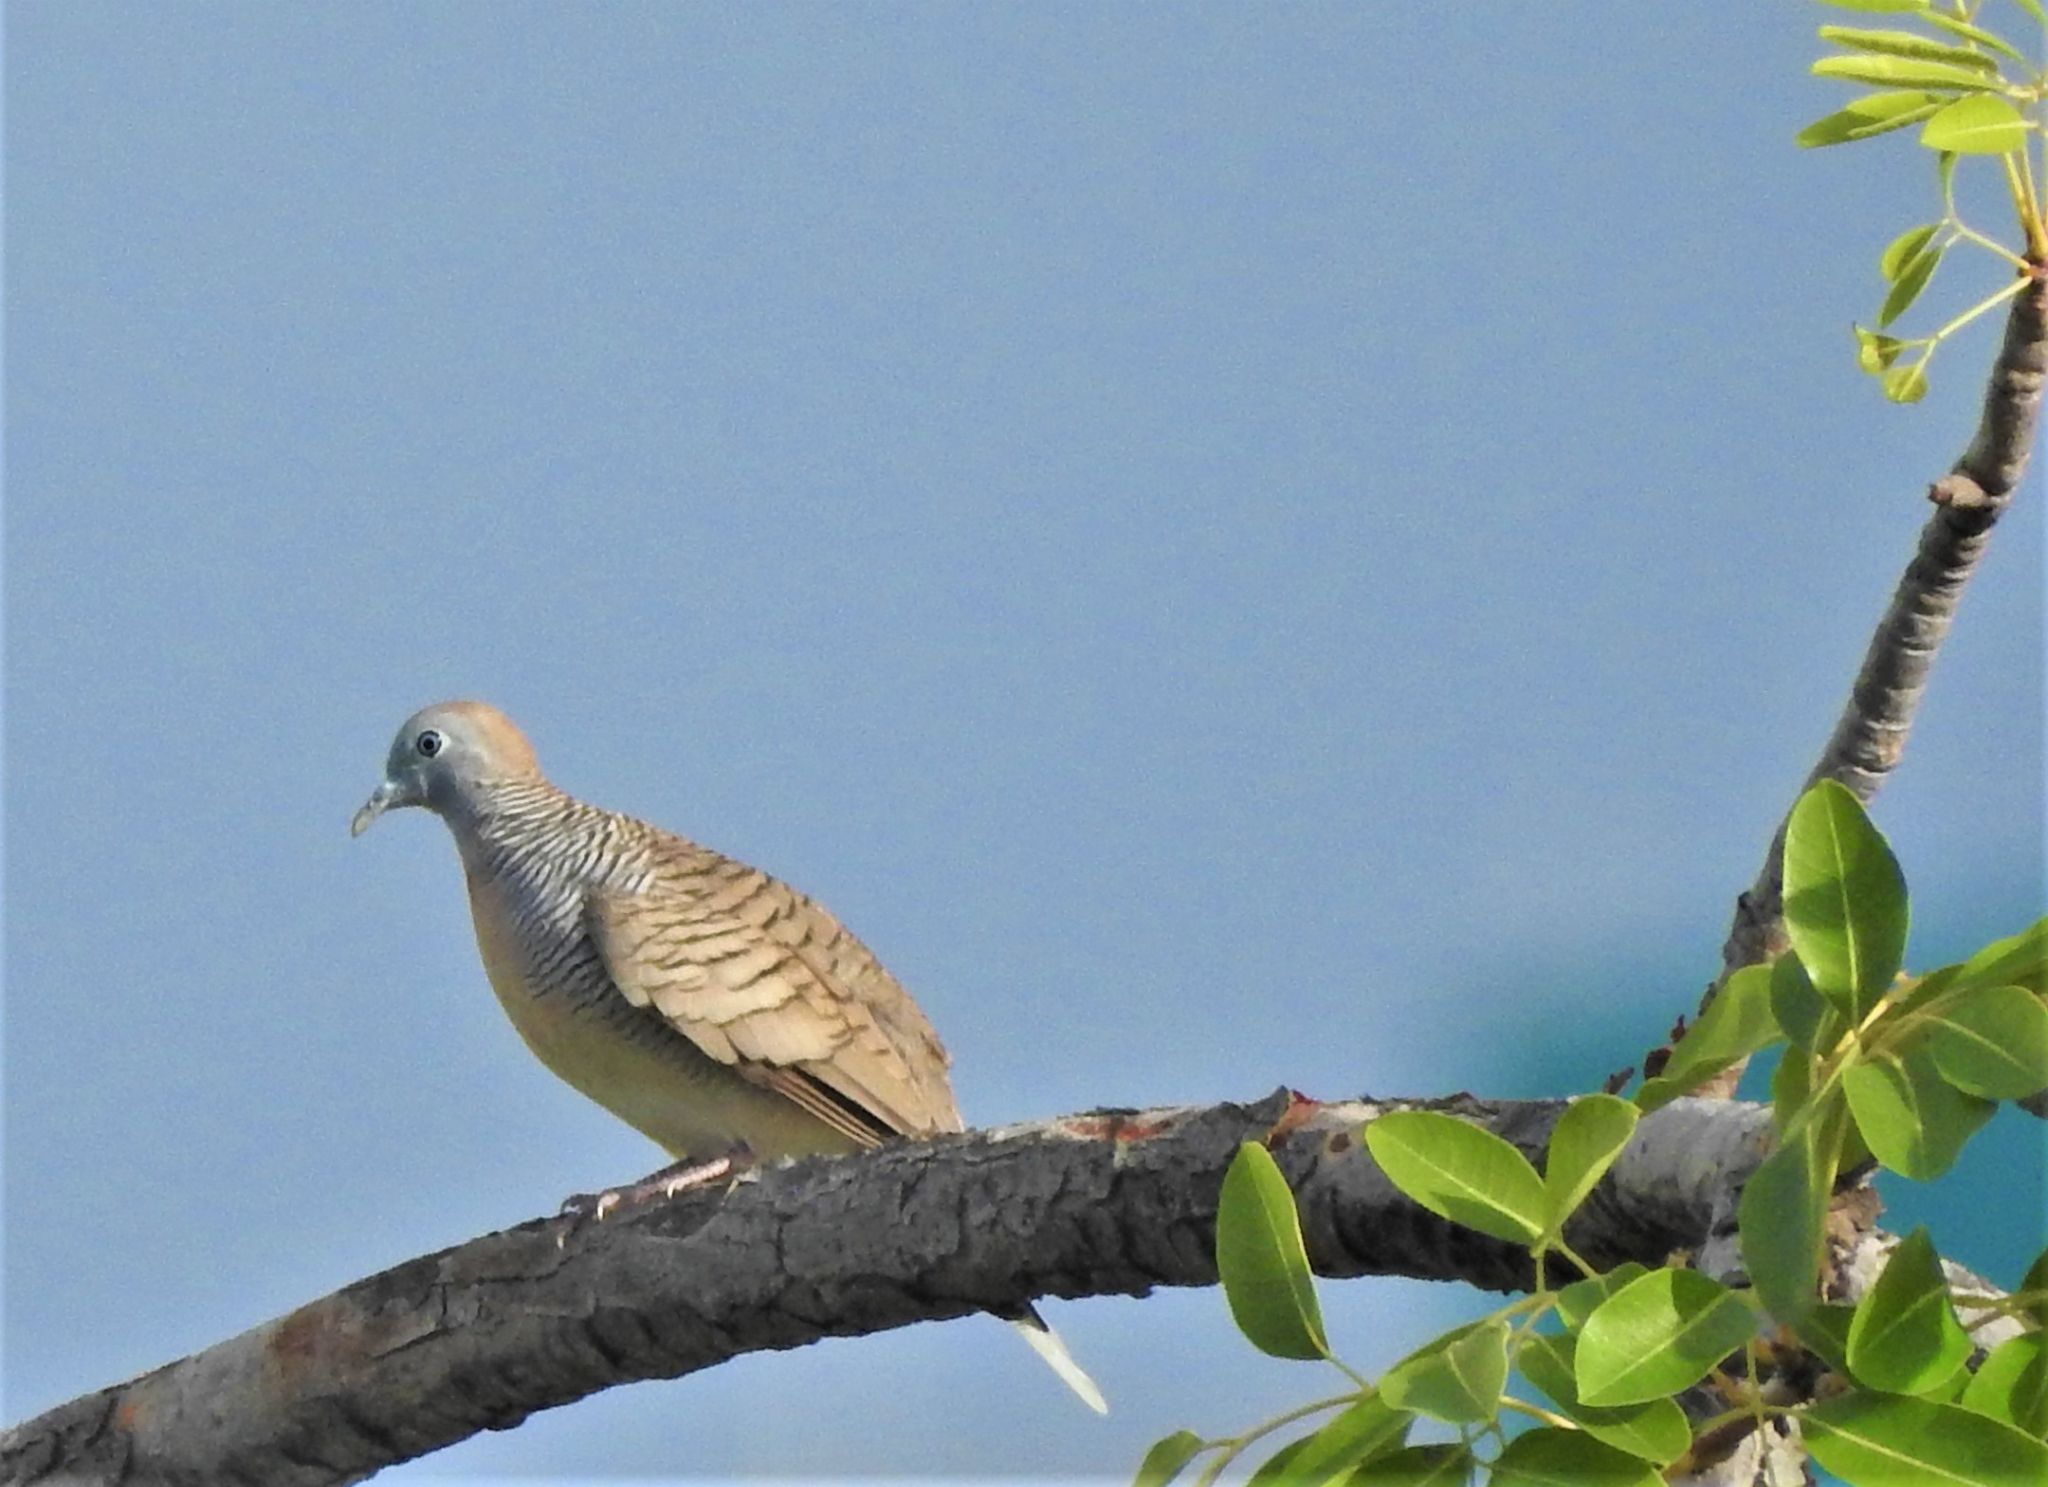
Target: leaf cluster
<point>1973,93</point>
<point>1876,1068</point>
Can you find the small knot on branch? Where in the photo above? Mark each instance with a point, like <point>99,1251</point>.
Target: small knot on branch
<point>1962,493</point>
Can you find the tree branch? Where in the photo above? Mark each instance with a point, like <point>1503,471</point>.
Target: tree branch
<point>479,1336</point>
<point>1870,736</point>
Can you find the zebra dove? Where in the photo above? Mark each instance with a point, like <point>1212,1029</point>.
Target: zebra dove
<point>710,1006</point>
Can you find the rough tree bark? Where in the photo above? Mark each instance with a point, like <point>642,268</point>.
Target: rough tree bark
<point>480,1336</point>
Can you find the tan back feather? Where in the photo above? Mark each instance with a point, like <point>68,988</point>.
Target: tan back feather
<point>762,979</point>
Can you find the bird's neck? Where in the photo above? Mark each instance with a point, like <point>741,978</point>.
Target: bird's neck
<point>496,822</point>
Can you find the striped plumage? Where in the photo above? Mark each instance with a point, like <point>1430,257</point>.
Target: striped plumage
<point>700,1000</point>
<point>628,932</point>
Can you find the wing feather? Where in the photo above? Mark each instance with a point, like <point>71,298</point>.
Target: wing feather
<point>761,978</point>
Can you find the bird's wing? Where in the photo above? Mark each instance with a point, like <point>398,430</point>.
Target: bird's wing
<point>761,978</point>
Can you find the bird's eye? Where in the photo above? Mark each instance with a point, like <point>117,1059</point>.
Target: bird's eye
<point>428,744</point>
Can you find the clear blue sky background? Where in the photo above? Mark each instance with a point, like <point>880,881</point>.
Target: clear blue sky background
<point>1233,544</point>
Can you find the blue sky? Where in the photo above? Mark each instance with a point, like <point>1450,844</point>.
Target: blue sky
<point>1233,545</point>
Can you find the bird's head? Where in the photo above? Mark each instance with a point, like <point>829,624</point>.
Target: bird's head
<point>449,757</point>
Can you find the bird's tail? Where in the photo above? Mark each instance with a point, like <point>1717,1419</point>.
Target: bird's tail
<point>1046,1343</point>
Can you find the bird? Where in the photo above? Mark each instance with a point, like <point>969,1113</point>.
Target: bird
<point>708,1005</point>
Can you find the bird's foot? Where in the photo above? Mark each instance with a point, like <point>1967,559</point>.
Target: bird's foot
<point>677,1177</point>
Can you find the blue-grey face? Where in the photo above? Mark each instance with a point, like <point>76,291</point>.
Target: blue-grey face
<point>443,753</point>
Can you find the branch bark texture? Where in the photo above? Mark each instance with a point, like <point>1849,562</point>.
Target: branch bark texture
<point>1870,736</point>
<point>479,1336</point>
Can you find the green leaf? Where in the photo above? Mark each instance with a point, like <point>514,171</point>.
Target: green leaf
<point>1781,1215</point>
<point>1874,352</point>
<point>1908,44</point>
<point>1904,72</point>
<point>1887,1440</point>
<point>2018,960</point>
<point>1872,114</point>
<point>1460,1172</point>
<point>1657,1335</point>
<point>1916,994</point>
<point>1416,1466</point>
<point>1458,1380</point>
<point>1905,1338</point>
<point>1369,1428</point>
<point>1548,1457</point>
<point>1949,1390</point>
<point>1795,1005</point>
<point>2035,1283</point>
<point>1855,1151</point>
<point>1977,34</point>
<point>1993,1042</point>
<point>1260,1258</point>
<point>1582,1298</point>
<point>1791,1083</point>
<point>2031,7</point>
<point>1845,898</point>
<point>1279,1467</point>
<point>1656,1431</point>
<point>1736,1024</point>
<point>1166,1458</point>
<point>2012,1384</point>
<point>1904,248</point>
<point>1583,1145</point>
<point>1825,1329</point>
<point>1913,277</point>
<point>1983,124</point>
<point>1905,384</point>
<point>1914,1120</point>
<point>1887,7</point>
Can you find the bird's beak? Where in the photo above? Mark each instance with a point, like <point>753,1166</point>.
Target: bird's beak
<point>382,799</point>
